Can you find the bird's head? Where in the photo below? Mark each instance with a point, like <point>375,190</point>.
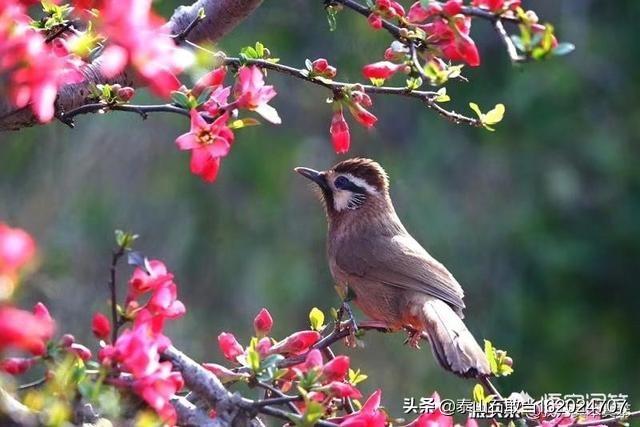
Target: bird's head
<point>351,185</point>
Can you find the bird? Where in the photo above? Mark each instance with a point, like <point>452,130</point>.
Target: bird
<point>392,279</point>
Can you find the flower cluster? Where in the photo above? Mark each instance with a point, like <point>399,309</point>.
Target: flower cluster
<point>137,350</point>
<point>32,68</point>
<point>384,9</point>
<point>356,101</point>
<point>211,134</point>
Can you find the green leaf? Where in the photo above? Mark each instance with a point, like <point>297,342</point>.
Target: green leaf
<point>180,98</point>
<point>475,108</point>
<point>356,377</point>
<point>260,50</point>
<point>490,352</point>
<point>414,83</point>
<point>331,17</point>
<point>377,82</point>
<point>563,49</point>
<point>204,96</point>
<point>442,95</point>
<point>316,318</point>
<point>243,123</point>
<point>478,393</point>
<point>494,116</point>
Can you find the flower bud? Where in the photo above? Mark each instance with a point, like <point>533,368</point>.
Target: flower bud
<point>101,326</point>
<point>229,346</point>
<point>66,340</point>
<point>16,365</point>
<point>81,351</point>
<point>126,93</point>
<point>263,323</point>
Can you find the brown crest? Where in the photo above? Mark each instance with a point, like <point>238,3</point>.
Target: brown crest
<point>367,169</point>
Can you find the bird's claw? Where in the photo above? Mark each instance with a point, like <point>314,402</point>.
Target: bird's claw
<point>413,339</point>
<point>345,308</point>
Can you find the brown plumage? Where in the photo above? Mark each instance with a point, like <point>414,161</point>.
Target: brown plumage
<point>393,277</point>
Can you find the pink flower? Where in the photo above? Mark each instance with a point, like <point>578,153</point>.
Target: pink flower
<point>22,330</point>
<point>381,70</point>
<point>252,94</point>
<point>17,365</point>
<point>343,390</point>
<point>100,326</point>
<point>336,369</point>
<point>224,374</point>
<point>497,6</point>
<point>375,21</point>
<point>418,14</point>
<point>321,67</point>
<point>264,345</point>
<point>208,144</point>
<point>81,351</point>
<point>212,79</point>
<point>157,388</point>
<point>339,130</point>
<point>137,37</point>
<point>229,346</point>
<point>142,281</point>
<point>17,248</point>
<point>370,414</point>
<point>295,343</point>
<point>164,301</point>
<point>263,322</point>
<point>435,418</point>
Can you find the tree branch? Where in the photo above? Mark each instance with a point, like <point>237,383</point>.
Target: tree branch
<point>221,16</point>
<point>190,415</point>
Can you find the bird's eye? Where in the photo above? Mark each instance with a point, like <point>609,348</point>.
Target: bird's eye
<point>341,182</point>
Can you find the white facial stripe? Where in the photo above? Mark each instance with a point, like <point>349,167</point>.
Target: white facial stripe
<point>341,199</point>
<point>361,183</point>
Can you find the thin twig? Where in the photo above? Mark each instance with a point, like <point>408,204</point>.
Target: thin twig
<point>32,384</point>
<point>508,43</point>
<point>182,35</point>
<point>277,392</point>
<point>142,110</point>
<point>115,257</point>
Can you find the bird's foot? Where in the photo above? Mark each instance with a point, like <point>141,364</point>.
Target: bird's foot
<point>345,309</point>
<point>413,338</point>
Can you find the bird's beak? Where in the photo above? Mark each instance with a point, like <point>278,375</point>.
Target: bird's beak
<point>313,175</point>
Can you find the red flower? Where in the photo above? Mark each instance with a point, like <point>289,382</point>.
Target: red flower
<point>208,142</point>
<point>497,6</point>
<point>452,7</point>
<point>17,248</point>
<point>230,346</point>
<point>375,21</point>
<point>336,369</point>
<point>17,365</point>
<point>381,70</point>
<point>295,343</point>
<point>363,116</point>
<point>25,331</point>
<point>101,326</point>
<point>370,414</point>
<point>339,130</point>
<point>263,322</point>
<point>251,93</point>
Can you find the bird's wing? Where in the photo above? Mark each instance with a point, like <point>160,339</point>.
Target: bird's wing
<point>399,261</point>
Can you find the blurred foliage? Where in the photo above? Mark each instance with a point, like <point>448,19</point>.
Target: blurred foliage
<point>538,220</point>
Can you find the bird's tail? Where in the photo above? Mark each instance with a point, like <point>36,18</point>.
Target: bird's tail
<point>451,342</point>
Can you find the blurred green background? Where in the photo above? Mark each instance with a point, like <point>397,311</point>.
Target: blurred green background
<point>539,221</point>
